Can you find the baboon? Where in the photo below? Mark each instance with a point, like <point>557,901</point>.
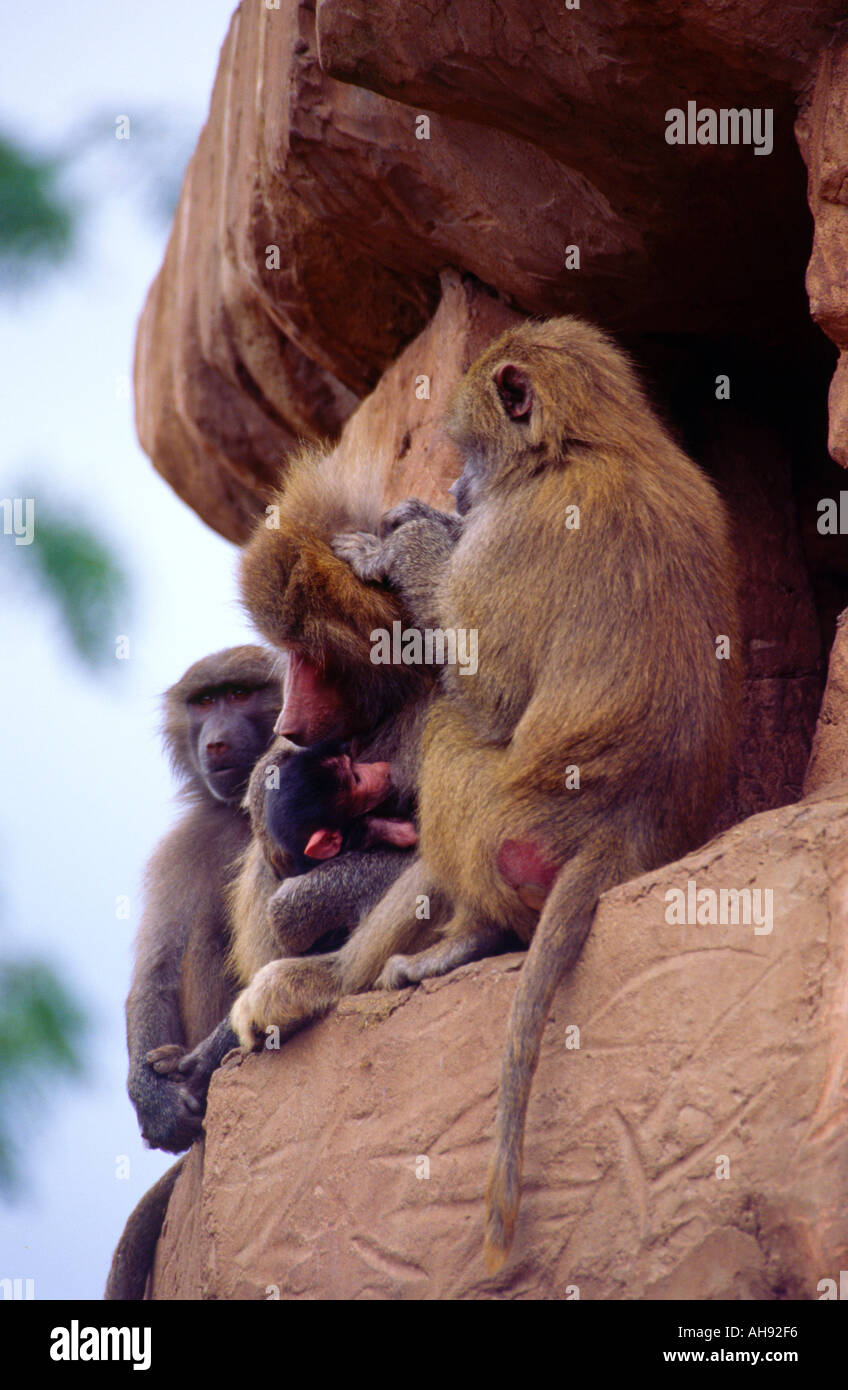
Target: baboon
<point>307,602</point>
<point>218,719</point>
<point>595,564</point>
<point>274,910</point>
<point>277,908</point>
<point>325,805</point>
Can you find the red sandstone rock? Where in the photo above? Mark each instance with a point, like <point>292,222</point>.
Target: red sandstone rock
<point>703,1049</point>
<point>823,137</point>
<point>829,758</point>
<point>545,130</point>
<point>398,429</point>
<point>314,224</point>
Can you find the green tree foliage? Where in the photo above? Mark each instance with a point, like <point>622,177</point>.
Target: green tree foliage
<point>81,575</point>
<point>40,1025</point>
<point>36,220</point>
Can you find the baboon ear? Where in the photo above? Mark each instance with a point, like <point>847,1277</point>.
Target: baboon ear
<point>324,844</point>
<point>515,391</point>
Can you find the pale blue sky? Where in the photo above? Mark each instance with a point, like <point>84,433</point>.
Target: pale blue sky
<point>85,791</point>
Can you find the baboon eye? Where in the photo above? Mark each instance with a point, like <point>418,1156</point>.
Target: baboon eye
<point>515,391</point>
<point>206,697</point>
<point>238,692</point>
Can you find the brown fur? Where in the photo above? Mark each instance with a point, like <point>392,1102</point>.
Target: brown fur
<point>300,596</point>
<point>596,649</point>
<point>181,985</point>
<point>303,598</point>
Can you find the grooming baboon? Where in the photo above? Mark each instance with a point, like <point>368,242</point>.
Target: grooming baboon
<point>595,565</point>
<point>218,719</point>
<point>306,601</point>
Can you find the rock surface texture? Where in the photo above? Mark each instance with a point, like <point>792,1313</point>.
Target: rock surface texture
<point>694,1144</point>
<point>318,211</point>
<point>379,191</point>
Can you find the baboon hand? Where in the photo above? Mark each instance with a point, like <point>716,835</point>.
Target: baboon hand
<point>363,552</point>
<point>282,996</point>
<point>395,973</point>
<point>169,1118</point>
<point>414,510</point>
<point>166,1059</point>
<point>247,1013</point>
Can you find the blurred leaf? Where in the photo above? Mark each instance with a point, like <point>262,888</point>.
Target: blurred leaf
<point>81,574</point>
<point>36,222</point>
<point>40,1027</point>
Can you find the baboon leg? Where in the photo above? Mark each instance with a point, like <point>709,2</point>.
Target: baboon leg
<point>457,948</point>
<point>288,993</point>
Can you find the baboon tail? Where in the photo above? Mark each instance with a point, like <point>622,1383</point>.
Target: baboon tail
<point>133,1257</point>
<point>562,929</point>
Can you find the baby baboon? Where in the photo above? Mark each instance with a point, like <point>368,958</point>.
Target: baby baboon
<point>325,805</point>
<point>277,909</point>
<point>218,719</point>
<point>595,565</point>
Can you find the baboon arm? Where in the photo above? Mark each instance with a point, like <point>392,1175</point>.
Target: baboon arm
<point>194,1072</point>
<point>463,942</point>
<point>153,1002</point>
<point>331,898</point>
<point>403,920</point>
<point>286,994</point>
<point>154,1023</point>
<point>416,558</point>
<point>411,559</point>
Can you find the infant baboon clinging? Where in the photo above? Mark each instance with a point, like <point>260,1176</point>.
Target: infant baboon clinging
<point>328,803</point>
<point>595,565</point>
<point>282,903</point>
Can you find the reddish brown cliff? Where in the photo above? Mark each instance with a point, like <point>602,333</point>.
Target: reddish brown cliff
<point>689,1140</point>
<point>378,191</point>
